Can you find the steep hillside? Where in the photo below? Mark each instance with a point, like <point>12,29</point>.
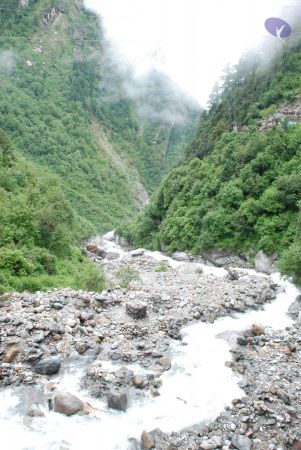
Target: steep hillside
<point>75,116</point>
<point>240,186</point>
<point>58,77</point>
<point>39,229</point>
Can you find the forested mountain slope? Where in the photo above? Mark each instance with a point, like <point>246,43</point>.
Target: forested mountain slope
<point>240,185</point>
<point>74,117</point>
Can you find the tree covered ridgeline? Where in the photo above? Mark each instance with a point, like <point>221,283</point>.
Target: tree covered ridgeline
<point>239,190</point>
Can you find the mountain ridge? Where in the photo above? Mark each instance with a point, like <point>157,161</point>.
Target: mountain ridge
<point>63,90</point>
<point>239,187</point>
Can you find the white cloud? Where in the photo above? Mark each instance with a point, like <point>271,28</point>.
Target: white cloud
<point>190,40</point>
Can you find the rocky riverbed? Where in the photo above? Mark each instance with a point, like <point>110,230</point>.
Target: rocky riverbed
<point>123,341</point>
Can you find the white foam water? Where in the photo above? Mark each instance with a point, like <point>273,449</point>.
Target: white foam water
<point>195,390</point>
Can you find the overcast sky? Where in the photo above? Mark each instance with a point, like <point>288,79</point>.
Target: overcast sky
<point>191,40</point>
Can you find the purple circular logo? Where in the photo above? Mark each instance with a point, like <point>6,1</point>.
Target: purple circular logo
<point>278,27</point>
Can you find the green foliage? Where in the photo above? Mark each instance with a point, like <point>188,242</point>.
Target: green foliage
<point>90,278</point>
<point>125,275</point>
<point>291,261</point>
<point>229,200</point>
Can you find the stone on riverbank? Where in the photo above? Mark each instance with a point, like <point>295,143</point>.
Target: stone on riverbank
<point>68,404</point>
<point>137,310</point>
<point>241,442</point>
<point>117,400</point>
<point>11,354</point>
<point>48,366</point>
<point>147,441</point>
<point>164,363</point>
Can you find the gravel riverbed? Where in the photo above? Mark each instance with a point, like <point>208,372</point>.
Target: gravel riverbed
<point>110,334</point>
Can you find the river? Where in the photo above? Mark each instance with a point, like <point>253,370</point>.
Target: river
<point>194,391</point>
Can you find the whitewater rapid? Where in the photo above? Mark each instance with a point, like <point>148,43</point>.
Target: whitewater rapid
<point>194,391</point>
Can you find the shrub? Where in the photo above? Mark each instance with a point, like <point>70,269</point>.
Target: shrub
<point>125,275</point>
<point>162,267</point>
<point>90,278</point>
<point>13,261</point>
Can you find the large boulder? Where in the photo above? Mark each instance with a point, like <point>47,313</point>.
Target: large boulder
<point>67,404</point>
<point>265,263</point>
<point>48,366</point>
<point>181,256</point>
<point>117,400</point>
<point>93,248</point>
<point>241,442</point>
<point>221,258</point>
<point>110,236</point>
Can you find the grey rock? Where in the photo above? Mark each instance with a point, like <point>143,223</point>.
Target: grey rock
<point>241,442</point>
<point>181,256</point>
<point>39,337</point>
<point>233,275</point>
<point>67,404</point>
<point>137,252</point>
<point>222,258</point>
<point>4,318</point>
<point>208,444</point>
<point>164,362</point>
<point>295,308</point>
<point>136,309</point>
<point>139,381</point>
<point>283,396</point>
<point>117,400</point>
<point>48,366</point>
<point>102,298</point>
<point>81,347</point>
<point>57,305</point>
<point>242,341</point>
<point>265,263</point>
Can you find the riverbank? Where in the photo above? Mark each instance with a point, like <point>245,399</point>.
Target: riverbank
<point>128,340</point>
